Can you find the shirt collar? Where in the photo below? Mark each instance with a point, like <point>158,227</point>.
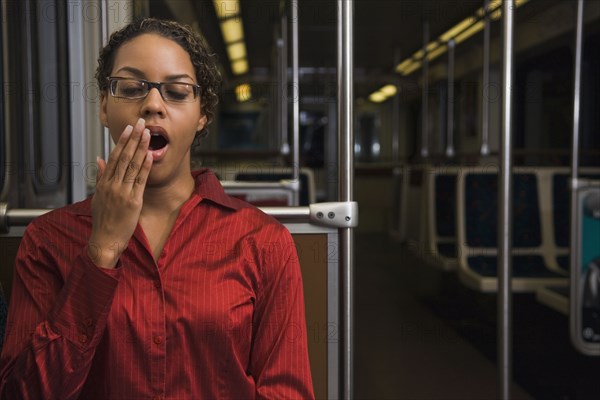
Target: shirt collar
<point>208,187</point>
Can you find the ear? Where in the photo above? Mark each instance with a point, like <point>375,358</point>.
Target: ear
<point>103,113</point>
<point>201,123</point>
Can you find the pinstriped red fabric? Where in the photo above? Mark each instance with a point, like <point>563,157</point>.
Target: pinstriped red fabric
<point>219,316</point>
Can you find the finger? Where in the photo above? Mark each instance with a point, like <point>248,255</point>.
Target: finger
<point>135,165</point>
<point>124,159</point>
<point>114,155</point>
<point>101,169</point>
<point>142,178</point>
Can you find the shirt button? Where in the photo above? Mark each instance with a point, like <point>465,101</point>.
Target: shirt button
<point>83,338</point>
<point>157,284</point>
<point>158,339</point>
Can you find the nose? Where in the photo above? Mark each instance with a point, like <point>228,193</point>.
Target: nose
<point>153,104</point>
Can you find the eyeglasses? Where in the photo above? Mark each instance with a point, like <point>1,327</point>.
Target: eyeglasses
<point>134,89</point>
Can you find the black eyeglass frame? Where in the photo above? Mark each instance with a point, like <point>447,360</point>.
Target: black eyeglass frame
<point>158,85</point>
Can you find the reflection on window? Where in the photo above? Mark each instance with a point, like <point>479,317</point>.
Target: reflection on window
<point>239,131</point>
<point>313,126</point>
<point>367,145</point>
<point>50,90</point>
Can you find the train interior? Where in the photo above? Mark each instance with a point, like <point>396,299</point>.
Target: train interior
<point>427,142</point>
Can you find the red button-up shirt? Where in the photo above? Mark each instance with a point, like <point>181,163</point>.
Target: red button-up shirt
<point>219,316</point>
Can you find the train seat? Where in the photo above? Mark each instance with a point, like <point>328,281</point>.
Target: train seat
<point>441,216</point>
<point>555,297</point>
<point>533,250</point>
<point>307,184</point>
<point>561,209</point>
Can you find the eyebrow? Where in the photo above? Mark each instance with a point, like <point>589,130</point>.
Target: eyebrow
<point>138,73</point>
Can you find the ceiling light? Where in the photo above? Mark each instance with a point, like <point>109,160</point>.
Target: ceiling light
<point>243,92</point>
<point>239,67</point>
<point>377,97</point>
<point>437,52</point>
<point>235,51</point>
<point>416,65</point>
<point>404,64</point>
<point>226,8</point>
<point>389,90</point>
<point>458,28</point>
<point>469,32</point>
<point>460,32</point>
<point>232,30</point>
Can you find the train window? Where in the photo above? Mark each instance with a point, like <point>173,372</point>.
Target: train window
<point>467,107</point>
<point>239,130</point>
<point>313,126</point>
<point>37,97</point>
<point>47,83</point>
<point>367,145</point>
<point>543,112</point>
<point>590,101</point>
<point>437,118</point>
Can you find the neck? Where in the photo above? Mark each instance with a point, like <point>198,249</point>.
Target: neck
<point>164,200</point>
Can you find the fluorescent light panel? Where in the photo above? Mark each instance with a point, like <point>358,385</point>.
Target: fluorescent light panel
<point>383,93</point>
<point>389,90</point>
<point>232,30</point>
<point>235,51</point>
<point>226,8</point>
<point>243,92</point>
<point>239,67</point>
<point>437,52</point>
<point>469,32</point>
<point>377,97</point>
<point>460,32</point>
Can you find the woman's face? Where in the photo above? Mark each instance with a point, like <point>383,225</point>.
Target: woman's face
<point>154,58</point>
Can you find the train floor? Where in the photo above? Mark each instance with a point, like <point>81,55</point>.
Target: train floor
<point>420,334</point>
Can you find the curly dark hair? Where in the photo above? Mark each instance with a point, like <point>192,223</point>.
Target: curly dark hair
<point>204,61</point>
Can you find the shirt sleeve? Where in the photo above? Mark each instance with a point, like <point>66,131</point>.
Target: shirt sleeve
<point>54,322</point>
<point>279,357</point>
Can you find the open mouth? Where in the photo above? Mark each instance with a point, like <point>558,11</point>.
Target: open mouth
<point>158,138</point>
<point>157,141</point>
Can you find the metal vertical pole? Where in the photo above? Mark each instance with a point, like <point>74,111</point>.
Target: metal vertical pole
<point>575,313</point>
<point>450,119</point>
<point>485,109</point>
<point>577,92</point>
<point>345,67</point>
<point>283,81</point>
<point>505,215</point>
<point>106,148</point>
<point>396,116</point>
<point>295,103</point>
<point>425,102</point>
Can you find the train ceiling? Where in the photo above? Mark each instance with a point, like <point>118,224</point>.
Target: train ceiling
<point>384,30</point>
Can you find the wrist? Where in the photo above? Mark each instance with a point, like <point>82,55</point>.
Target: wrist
<point>104,256</point>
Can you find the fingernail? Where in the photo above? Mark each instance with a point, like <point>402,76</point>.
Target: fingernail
<point>141,122</point>
<point>146,133</point>
<point>128,129</point>
<point>97,159</point>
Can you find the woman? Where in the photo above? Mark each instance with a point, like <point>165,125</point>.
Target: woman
<point>159,285</point>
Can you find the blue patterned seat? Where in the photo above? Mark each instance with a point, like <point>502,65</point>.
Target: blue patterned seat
<point>478,233</point>
<point>481,200</point>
